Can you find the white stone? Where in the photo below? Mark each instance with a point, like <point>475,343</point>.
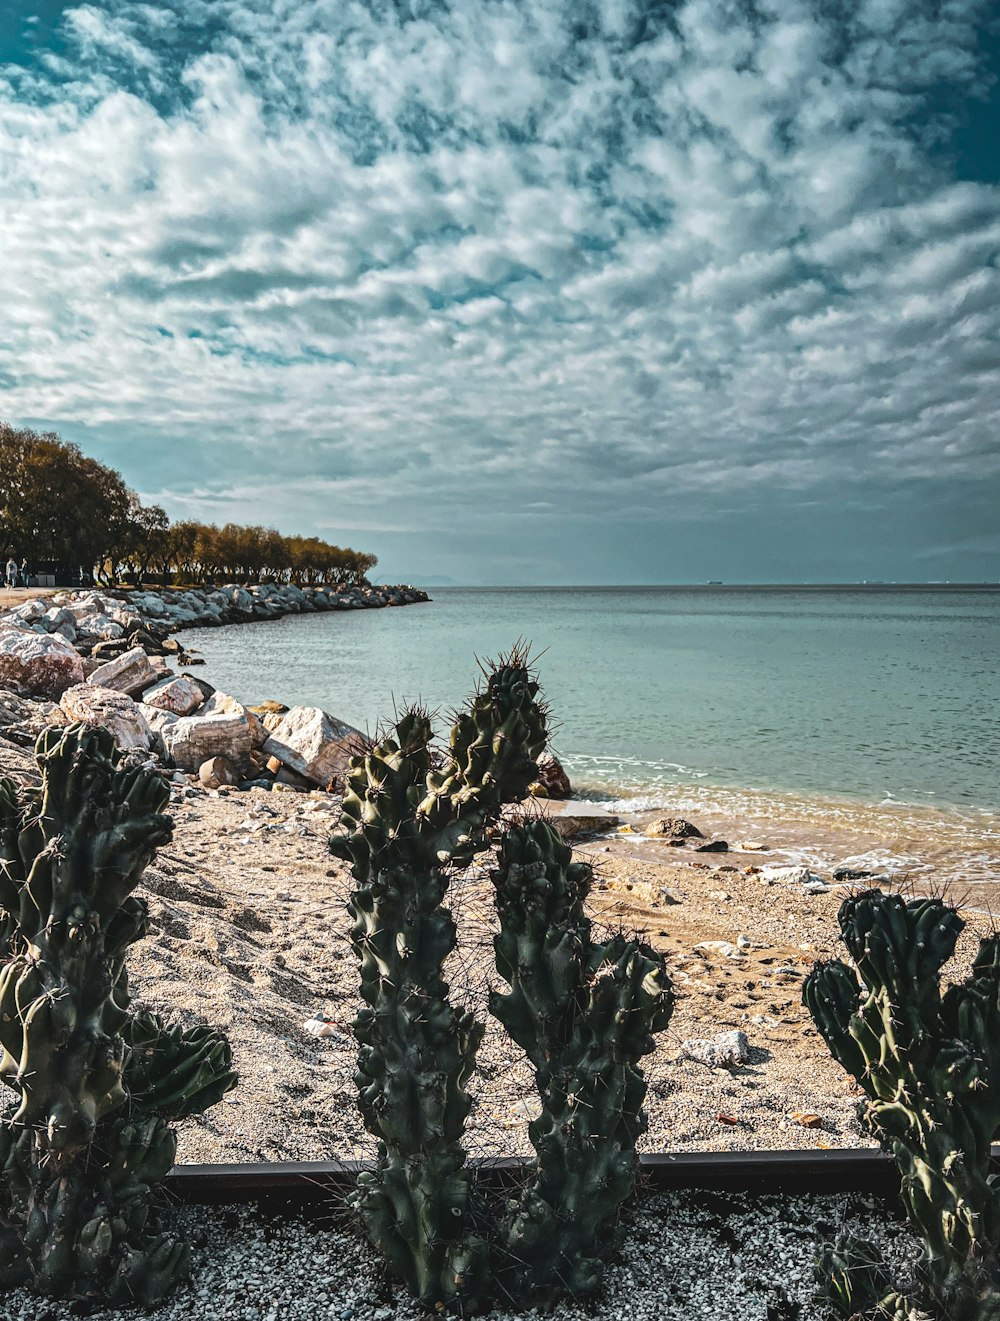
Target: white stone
<point>111,709</point>
<point>175,693</point>
<point>788,876</point>
<point>42,663</point>
<point>221,703</point>
<point>130,672</point>
<point>313,744</point>
<point>726,1051</point>
<point>191,740</point>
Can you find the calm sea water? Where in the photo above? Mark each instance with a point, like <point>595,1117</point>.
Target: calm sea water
<point>856,693</point>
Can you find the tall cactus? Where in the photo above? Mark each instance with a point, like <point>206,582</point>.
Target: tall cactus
<point>585,1014</point>
<point>95,1086</point>
<point>930,1069</point>
<point>404,826</point>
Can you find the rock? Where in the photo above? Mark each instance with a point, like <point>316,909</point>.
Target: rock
<point>805,1119</point>
<point>670,897</point>
<point>96,625</point>
<point>130,673</point>
<point>816,887</point>
<point>313,744</point>
<point>41,663</point>
<point>552,782</point>
<point>268,708</point>
<point>191,740</point>
<point>674,827</point>
<point>857,874</point>
<point>288,779</point>
<point>724,947</point>
<point>726,1051</point>
<point>714,846</point>
<point>572,824</point>
<point>750,846</point>
<point>788,876</point>
<point>114,710</point>
<point>175,694</point>
<point>221,703</point>
<point>207,690</point>
<point>216,772</point>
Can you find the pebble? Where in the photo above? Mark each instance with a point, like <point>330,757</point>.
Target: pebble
<point>728,1050</point>
<point>684,1259</point>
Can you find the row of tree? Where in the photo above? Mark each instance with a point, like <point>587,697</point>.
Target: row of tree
<point>59,507</point>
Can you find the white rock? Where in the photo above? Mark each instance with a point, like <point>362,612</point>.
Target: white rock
<point>313,744</point>
<point>176,693</point>
<point>98,626</point>
<point>130,672</point>
<point>114,710</point>
<point>42,663</point>
<point>788,876</point>
<point>221,703</point>
<point>191,740</point>
<point>726,1051</point>
<point>724,947</point>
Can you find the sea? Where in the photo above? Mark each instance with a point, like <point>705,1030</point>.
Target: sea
<point>855,726</point>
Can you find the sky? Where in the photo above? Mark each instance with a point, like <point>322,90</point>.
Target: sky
<point>521,291</point>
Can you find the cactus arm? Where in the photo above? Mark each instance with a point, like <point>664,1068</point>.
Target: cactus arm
<point>585,1014</point>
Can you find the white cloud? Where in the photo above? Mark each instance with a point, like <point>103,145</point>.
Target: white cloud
<point>496,249</point>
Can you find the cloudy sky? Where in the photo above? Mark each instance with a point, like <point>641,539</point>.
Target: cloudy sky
<point>521,290</point>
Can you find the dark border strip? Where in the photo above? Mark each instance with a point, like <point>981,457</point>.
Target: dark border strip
<point>863,1170</point>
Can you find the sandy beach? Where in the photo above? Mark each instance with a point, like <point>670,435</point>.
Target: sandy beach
<point>249,932</point>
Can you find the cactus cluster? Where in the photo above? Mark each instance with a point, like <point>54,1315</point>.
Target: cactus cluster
<point>94,1087</point>
<point>929,1065</point>
<point>407,826</point>
<point>584,1012</point>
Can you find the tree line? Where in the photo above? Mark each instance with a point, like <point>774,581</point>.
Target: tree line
<point>59,507</point>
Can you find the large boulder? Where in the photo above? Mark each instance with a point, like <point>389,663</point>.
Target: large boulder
<point>313,744</point>
<point>115,711</point>
<point>41,663</point>
<point>176,694</point>
<point>192,740</point>
<point>130,672</point>
<point>221,703</point>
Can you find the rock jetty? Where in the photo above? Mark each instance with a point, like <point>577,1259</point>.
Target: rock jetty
<point>100,657</point>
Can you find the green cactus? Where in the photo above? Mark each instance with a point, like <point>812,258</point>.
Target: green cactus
<point>585,1014</point>
<point>89,1135</point>
<point>854,1282</point>
<point>405,826</point>
<point>930,1069</point>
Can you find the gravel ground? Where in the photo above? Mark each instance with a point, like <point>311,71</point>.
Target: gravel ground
<point>688,1257</point>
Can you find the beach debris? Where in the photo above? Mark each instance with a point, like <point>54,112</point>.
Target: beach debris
<point>727,1119</point>
<point>805,1118</point>
<point>317,1026</point>
<point>313,744</point>
<point>728,1050</point>
<point>674,828</point>
<point>713,846</point>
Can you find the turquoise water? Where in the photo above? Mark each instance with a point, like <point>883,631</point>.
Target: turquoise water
<point>867,694</point>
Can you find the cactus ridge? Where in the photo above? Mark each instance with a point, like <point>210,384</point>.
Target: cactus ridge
<point>585,1013</point>
<point>929,1066</point>
<point>95,1085</point>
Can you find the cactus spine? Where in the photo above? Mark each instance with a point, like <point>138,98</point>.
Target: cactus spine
<point>930,1069</point>
<point>95,1086</point>
<point>405,827</point>
<point>585,1014</point>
